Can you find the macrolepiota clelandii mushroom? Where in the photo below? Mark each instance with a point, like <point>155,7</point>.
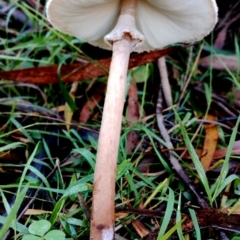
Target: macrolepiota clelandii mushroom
<point>125,26</point>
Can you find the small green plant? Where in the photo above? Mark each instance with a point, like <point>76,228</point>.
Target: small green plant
<point>39,230</point>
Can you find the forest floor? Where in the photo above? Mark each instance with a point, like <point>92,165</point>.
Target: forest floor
<point>52,89</point>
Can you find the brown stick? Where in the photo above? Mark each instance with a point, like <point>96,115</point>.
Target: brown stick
<point>77,71</point>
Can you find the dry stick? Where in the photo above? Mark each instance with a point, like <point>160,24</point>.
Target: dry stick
<point>77,71</point>
<point>103,215</point>
<point>173,160</point>
<point>165,81</point>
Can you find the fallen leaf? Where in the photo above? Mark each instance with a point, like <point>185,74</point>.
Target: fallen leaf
<point>210,143</point>
<point>140,228</point>
<point>36,212</point>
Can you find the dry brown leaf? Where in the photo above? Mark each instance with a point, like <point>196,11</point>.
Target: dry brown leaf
<point>210,143</point>
<point>36,212</point>
<point>140,228</point>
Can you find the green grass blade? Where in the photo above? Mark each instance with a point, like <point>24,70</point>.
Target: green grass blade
<point>168,213</point>
<point>194,156</point>
<point>222,181</point>
<point>195,223</point>
<point>9,221</point>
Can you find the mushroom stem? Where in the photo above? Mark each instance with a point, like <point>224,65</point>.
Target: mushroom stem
<point>103,215</point>
<point>128,7</point>
<point>124,37</point>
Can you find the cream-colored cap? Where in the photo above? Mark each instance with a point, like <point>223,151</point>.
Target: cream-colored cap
<point>161,22</point>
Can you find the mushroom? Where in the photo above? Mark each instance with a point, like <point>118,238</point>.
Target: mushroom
<point>125,26</point>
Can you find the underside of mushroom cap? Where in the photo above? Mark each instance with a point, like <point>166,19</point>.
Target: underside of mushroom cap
<point>166,22</point>
<point>161,22</point>
<point>89,20</point>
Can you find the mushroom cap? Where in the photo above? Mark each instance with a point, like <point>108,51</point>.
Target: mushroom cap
<point>161,22</point>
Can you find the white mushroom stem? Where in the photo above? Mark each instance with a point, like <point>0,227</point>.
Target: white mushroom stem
<point>123,39</point>
<point>103,217</point>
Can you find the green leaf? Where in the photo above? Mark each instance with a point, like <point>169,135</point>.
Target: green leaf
<point>57,209</point>
<point>222,181</point>
<point>90,157</point>
<point>15,225</point>
<point>12,215</point>
<point>27,166</point>
<point>179,217</point>
<point>167,216</point>
<point>123,168</point>
<point>11,146</point>
<point>194,156</point>
<point>39,227</point>
<point>140,74</point>
<point>195,223</point>
<point>76,222</point>
<point>31,237</point>
<point>55,235</point>
<point>5,202</point>
<point>236,238</point>
<point>171,231</point>
<point>75,189</point>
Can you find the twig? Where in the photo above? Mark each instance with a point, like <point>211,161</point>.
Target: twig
<point>165,81</point>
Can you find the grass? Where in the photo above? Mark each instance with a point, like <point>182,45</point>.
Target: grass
<point>30,118</point>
